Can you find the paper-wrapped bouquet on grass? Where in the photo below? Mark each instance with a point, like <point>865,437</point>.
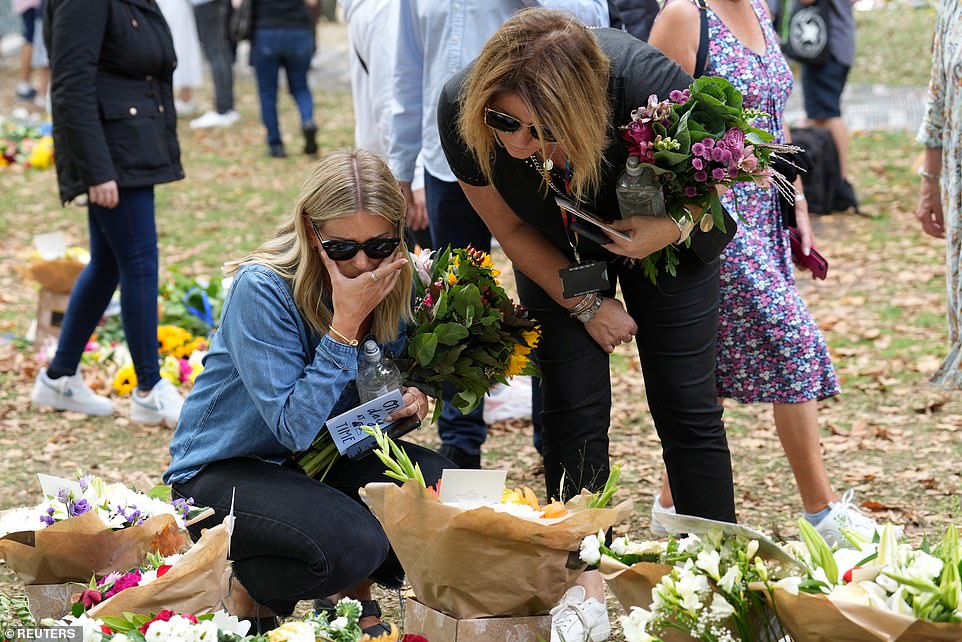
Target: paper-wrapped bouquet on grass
<point>503,560</point>
<point>90,528</point>
<point>871,590</point>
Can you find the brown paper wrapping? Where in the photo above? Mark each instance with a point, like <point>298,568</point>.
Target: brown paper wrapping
<point>56,275</point>
<point>77,548</point>
<point>815,618</point>
<point>479,563</point>
<point>196,584</point>
<point>632,585</point>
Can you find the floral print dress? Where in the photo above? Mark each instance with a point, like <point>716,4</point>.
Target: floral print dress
<point>942,127</point>
<point>769,348</point>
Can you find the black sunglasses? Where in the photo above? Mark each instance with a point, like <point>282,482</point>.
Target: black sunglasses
<point>380,247</point>
<point>509,124</point>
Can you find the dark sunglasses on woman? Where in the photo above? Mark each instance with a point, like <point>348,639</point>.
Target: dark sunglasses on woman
<point>379,247</point>
<point>509,124</point>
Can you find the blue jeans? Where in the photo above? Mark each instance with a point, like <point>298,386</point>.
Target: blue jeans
<point>454,222</point>
<point>123,249</point>
<point>291,49</point>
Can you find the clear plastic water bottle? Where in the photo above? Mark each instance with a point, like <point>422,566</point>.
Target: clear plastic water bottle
<point>376,375</point>
<point>639,192</point>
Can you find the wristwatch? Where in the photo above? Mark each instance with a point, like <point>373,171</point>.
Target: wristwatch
<point>685,226</point>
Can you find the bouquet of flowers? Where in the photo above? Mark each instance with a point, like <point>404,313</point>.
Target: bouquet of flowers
<point>697,142</point>
<point>93,528</point>
<point>25,140</point>
<point>466,331</point>
<point>192,304</point>
<point>879,589</point>
<point>484,561</point>
<point>698,586</point>
<point>181,358</point>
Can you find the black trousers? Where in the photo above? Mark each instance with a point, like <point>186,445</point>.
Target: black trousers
<point>677,329</point>
<point>296,538</point>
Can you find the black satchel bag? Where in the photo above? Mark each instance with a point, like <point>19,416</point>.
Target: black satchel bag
<point>804,32</point>
<point>242,21</point>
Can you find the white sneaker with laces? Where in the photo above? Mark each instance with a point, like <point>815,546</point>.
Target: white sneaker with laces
<point>846,515</point>
<point>160,406</point>
<point>69,393</point>
<point>656,508</point>
<point>576,619</point>
<point>213,119</point>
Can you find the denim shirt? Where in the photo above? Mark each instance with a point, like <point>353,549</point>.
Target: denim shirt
<point>269,382</point>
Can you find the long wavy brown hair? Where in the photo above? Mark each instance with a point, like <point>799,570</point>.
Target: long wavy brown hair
<point>555,65</point>
<point>341,184</point>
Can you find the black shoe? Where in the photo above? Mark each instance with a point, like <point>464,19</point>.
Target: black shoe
<point>459,457</point>
<point>370,608</point>
<point>277,151</point>
<point>310,139</point>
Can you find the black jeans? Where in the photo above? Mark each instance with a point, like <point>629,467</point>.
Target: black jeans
<point>677,330</point>
<point>211,20</point>
<point>296,538</point>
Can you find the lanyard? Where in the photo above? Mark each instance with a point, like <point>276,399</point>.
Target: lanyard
<point>566,218</point>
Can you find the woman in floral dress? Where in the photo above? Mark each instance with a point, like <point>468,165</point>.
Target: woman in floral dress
<point>941,133</point>
<point>769,348</point>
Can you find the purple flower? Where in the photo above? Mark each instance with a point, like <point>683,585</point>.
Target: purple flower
<point>78,508</point>
<point>718,174</point>
<point>680,97</point>
<point>708,142</point>
<point>716,154</point>
<point>183,506</point>
<point>63,495</point>
<point>735,140</point>
<point>727,157</point>
<point>636,132</point>
<point>691,192</point>
<point>696,162</point>
<point>85,482</point>
<point>698,149</point>
<point>701,177</point>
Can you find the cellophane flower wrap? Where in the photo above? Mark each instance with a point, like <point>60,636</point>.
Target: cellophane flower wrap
<point>71,536</point>
<point>466,331</point>
<point>699,141</point>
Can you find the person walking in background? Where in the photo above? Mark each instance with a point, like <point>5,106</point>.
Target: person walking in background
<point>633,16</point>
<point>283,37</point>
<point>436,39</point>
<point>29,11</point>
<point>372,33</point>
<point>940,193</point>
<point>822,87</point>
<point>188,75</point>
<point>211,19</point>
<point>115,131</point>
<point>769,348</point>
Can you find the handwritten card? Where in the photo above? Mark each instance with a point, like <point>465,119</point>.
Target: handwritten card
<point>51,485</point>
<point>350,440</point>
<point>472,488</point>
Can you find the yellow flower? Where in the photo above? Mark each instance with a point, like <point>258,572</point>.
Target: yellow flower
<point>516,364</point>
<point>41,156</point>
<point>292,632</point>
<point>485,260</point>
<point>184,351</point>
<point>452,278</point>
<point>520,348</point>
<point>532,337</point>
<point>170,370</point>
<point>195,369</point>
<point>126,380</point>
<point>170,338</point>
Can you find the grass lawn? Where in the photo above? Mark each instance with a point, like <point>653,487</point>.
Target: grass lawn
<point>889,435</point>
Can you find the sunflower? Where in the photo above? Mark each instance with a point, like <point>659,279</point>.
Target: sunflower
<point>185,350</point>
<point>171,338</point>
<point>517,362</point>
<point>126,380</point>
<point>532,337</point>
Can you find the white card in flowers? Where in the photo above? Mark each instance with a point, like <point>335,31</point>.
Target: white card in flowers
<point>346,430</point>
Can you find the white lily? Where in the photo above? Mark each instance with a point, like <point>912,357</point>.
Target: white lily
<point>708,561</point>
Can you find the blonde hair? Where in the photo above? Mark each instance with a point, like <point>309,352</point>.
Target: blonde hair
<point>341,184</point>
<point>555,65</point>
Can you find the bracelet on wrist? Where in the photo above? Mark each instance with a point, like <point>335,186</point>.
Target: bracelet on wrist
<point>931,176</point>
<point>589,313</point>
<point>337,335</point>
<point>583,304</point>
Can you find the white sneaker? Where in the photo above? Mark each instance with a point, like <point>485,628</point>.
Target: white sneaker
<point>185,107</point>
<point>161,406</point>
<point>69,393</point>
<point>576,619</point>
<point>656,508</point>
<point>213,119</point>
<point>846,515</point>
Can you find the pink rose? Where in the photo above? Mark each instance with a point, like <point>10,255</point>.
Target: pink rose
<point>735,140</point>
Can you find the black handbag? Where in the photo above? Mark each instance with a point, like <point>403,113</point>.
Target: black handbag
<point>804,33</point>
<point>242,21</point>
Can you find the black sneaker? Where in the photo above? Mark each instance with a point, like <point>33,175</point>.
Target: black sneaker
<point>277,151</point>
<point>310,139</point>
<point>460,457</point>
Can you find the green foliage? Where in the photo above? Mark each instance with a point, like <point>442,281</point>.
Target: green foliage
<point>190,303</point>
